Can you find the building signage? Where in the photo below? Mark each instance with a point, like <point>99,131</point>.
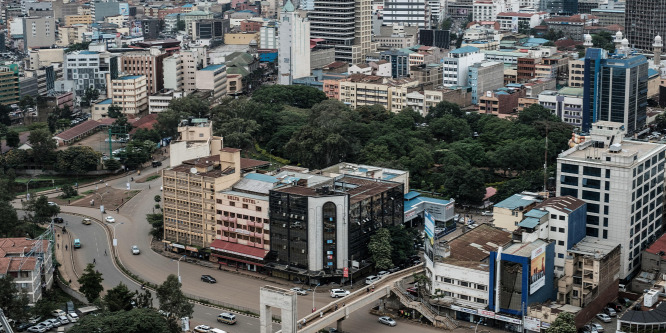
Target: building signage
<point>461,309</point>
<point>178,246</point>
<point>241,231</point>
<point>429,226</point>
<point>532,324</point>
<point>508,319</point>
<point>233,198</point>
<point>486,313</point>
<point>193,249</point>
<point>345,272</point>
<point>538,269</point>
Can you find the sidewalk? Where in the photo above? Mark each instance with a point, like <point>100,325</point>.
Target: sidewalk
<point>64,257</point>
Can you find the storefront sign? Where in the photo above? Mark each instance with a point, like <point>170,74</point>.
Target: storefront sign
<point>193,249</point>
<point>486,313</point>
<point>532,324</point>
<point>461,309</point>
<point>545,325</point>
<point>178,246</point>
<point>508,319</point>
<point>241,231</point>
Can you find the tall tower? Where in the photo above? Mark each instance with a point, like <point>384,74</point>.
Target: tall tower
<point>644,19</point>
<point>588,41</point>
<point>658,45</point>
<point>293,45</point>
<point>618,41</point>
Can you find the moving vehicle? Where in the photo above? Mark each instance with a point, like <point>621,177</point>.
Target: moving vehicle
<point>216,330</point>
<point>135,249</point>
<point>77,243</point>
<point>604,317</point>
<point>299,291</point>
<point>155,164</point>
<point>371,279</point>
<point>387,321</point>
<point>335,293</point>
<point>86,221</point>
<point>226,318</point>
<point>381,274</point>
<point>110,219</point>
<point>487,213</point>
<point>202,329</point>
<point>208,279</point>
<point>58,220</point>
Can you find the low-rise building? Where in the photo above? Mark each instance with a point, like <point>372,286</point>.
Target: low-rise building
<point>576,73</point>
<point>502,102</point>
<point>566,103</point>
<point>510,211</point>
<point>485,76</point>
<point>129,92</point>
<point>214,78</point>
<point>30,263</point>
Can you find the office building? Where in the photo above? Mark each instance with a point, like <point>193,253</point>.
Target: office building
<point>456,65</point>
<point>146,63</point>
<point>644,19</point>
<point>361,89</point>
<point>293,45</point>
<point>173,72</point>
<point>9,85</point>
<point>345,26</point>
<point>78,19</point>
<point>89,69</point>
<point>268,35</point>
<point>150,28</point>
<point>193,60</point>
<point>622,183</point>
<point>130,93</point>
<point>39,32</point>
<point>485,76</point>
<point>566,104</point>
<point>413,13</point>
<point>317,230</point>
<point>101,9</point>
<point>399,62</point>
<point>210,28</point>
<point>30,263</point>
<point>213,78</point>
<point>615,88</point>
<point>610,13</point>
<point>559,7</point>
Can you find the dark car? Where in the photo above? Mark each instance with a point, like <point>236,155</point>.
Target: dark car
<point>156,164</point>
<point>22,327</point>
<point>208,278</point>
<point>58,220</point>
<point>625,301</point>
<point>614,306</point>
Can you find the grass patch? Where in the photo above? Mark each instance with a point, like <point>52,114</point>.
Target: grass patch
<point>76,197</point>
<point>152,177</point>
<point>88,192</point>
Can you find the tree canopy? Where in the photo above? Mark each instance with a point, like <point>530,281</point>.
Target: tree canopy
<point>381,249</point>
<point>134,321</point>
<point>91,283</point>
<point>173,301</point>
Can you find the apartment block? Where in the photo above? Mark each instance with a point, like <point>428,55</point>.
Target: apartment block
<point>30,263</point>
<point>9,85</point>
<point>414,13</point>
<point>502,102</point>
<point>214,78</point>
<point>566,103</point>
<point>485,76</point>
<point>370,90</point>
<point>89,69</point>
<point>39,32</point>
<point>625,180</point>
<point>130,93</point>
<point>77,19</point>
<point>173,72</point>
<point>456,65</point>
<point>576,73</point>
<point>511,211</point>
<point>424,101</point>
<point>146,63</point>
<point>193,59</point>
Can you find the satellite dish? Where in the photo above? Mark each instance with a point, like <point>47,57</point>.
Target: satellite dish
<point>193,170</point>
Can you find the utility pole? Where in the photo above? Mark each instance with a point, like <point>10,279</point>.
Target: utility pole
<point>545,165</point>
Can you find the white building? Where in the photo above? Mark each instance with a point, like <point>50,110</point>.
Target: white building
<point>294,45</point>
<point>625,179</point>
<point>214,78</point>
<point>88,69</point>
<point>193,60</point>
<point>487,10</point>
<point>412,13</point>
<point>268,36</point>
<point>456,65</point>
<point>567,104</point>
<point>173,72</point>
<point>30,262</point>
<point>510,21</point>
<point>459,268</point>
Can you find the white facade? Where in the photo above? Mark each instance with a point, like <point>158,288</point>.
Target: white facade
<point>83,67</point>
<point>268,36</point>
<point>413,13</point>
<point>455,67</point>
<point>568,108</point>
<point>173,72</point>
<point>467,285</point>
<point>294,46</point>
<point>193,59</point>
<point>315,248</point>
<point>510,21</point>
<point>626,180</point>
<point>487,10</point>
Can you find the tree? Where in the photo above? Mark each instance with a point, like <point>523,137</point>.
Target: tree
<point>90,95</point>
<point>564,323</point>
<point>114,111</point>
<point>119,298</point>
<point>112,164</point>
<point>68,191</point>
<point>12,301</point>
<point>604,40</point>
<point>77,160</point>
<point>26,102</point>
<point>143,134</point>
<point>158,198</point>
<point>180,25</point>
<point>173,302</point>
<point>41,210</point>
<point>524,27</point>
<point>91,283</point>
<point>380,249</point>
<point>157,223</point>
<point>8,220</point>
<point>4,115</point>
<point>13,139</point>
<point>402,241</point>
<point>534,113</point>
<point>447,23</point>
<point>444,108</point>
<point>133,321</point>
<point>660,121</point>
<point>144,299</point>
<point>43,145</point>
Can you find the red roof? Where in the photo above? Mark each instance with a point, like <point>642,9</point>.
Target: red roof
<point>78,130</point>
<point>490,191</point>
<point>238,249</point>
<point>658,246</point>
<point>248,163</point>
<point>516,14</point>
<point>145,122</point>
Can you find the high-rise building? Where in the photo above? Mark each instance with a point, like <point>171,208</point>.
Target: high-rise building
<point>39,32</point>
<point>644,19</point>
<point>89,68</point>
<point>413,13</point>
<point>9,85</point>
<point>173,72</point>
<point>345,25</point>
<point>268,35</point>
<point>210,28</point>
<point>485,76</point>
<point>560,7</point>
<point>193,60</point>
<point>456,65</point>
<point>213,78</point>
<point>615,88</point>
<point>622,183</point>
<point>148,63</point>
<point>294,45</point>
<point>130,93</point>
<point>399,62</point>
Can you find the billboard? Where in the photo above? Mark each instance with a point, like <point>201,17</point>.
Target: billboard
<point>429,226</point>
<point>123,9</point>
<point>136,29</point>
<point>538,269</point>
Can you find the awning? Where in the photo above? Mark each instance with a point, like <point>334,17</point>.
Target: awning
<point>238,249</point>
<point>236,259</point>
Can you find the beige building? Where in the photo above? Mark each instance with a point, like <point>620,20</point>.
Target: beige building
<point>214,78</point>
<point>30,262</point>
<point>129,92</point>
<point>241,38</point>
<point>234,84</point>
<point>45,57</point>
<point>576,73</point>
<point>423,101</point>
<point>370,90</point>
<point>148,63</point>
<point>173,72</point>
<point>191,60</point>
<point>509,212</point>
<point>77,19</point>
<point>591,269</point>
<point>71,35</point>
<point>118,20</point>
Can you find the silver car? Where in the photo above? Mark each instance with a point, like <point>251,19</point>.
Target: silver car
<point>299,291</point>
<point>387,321</point>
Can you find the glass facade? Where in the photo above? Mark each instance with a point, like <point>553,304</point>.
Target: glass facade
<point>289,228</point>
<point>329,221</point>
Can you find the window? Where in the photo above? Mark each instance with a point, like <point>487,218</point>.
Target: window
<point>561,243</point>
<point>591,171</point>
<point>258,208</point>
<point>562,230</point>
<point>480,300</point>
<point>464,297</point>
<point>464,284</point>
<point>481,287</point>
<point>447,280</point>
<point>569,168</point>
<point>553,229</point>
<point>590,195</point>
<point>560,255</point>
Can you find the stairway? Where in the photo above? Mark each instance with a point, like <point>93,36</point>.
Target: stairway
<point>437,320</point>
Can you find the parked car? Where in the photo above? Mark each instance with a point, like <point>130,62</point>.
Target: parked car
<point>604,317</point>
<point>381,274</point>
<point>202,329</point>
<point>335,293</point>
<point>387,321</point>
<point>299,291</point>
<point>155,164</point>
<point>36,329</point>
<point>58,220</point>
<point>614,306</point>
<point>625,301</point>
<point>110,219</point>
<point>34,319</point>
<point>598,327</point>
<point>23,326</point>
<point>208,279</point>
<point>51,203</point>
<point>57,313</point>
<point>610,311</point>
<point>54,322</point>
<point>587,329</point>
<point>63,319</point>
<point>638,306</point>
<point>487,213</point>
<point>73,317</point>
<point>456,218</point>
<point>371,279</point>
<point>135,249</point>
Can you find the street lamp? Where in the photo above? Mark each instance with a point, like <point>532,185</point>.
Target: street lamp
<point>477,325</point>
<point>115,241</point>
<point>270,158</point>
<point>27,191</point>
<point>179,280</point>
<point>313,294</point>
<point>101,200</point>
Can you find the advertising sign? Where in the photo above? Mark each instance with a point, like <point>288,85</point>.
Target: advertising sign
<point>538,269</point>
<point>345,272</point>
<point>532,324</point>
<point>429,226</point>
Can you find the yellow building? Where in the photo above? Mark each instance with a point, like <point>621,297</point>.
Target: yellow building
<point>576,73</point>
<point>509,212</point>
<point>241,38</point>
<point>371,90</point>
<point>129,92</point>
<point>71,35</point>
<point>71,20</point>
<point>9,85</point>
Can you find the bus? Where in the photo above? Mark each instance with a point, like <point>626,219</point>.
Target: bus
<point>77,243</point>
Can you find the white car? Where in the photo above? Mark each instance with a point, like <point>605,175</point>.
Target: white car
<point>487,213</point>
<point>73,317</point>
<point>604,317</point>
<point>299,291</point>
<point>202,329</point>
<point>135,249</point>
<point>381,274</point>
<point>51,203</point>
<point>36,329</point>
<point>63,319</point>
<point>387,321</point>
<point>598,327</point>
<point>57,313</point>
<point>110,219</point>
<point>335,293</point>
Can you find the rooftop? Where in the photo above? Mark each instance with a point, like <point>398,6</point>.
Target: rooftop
<point>465,49</point>
<point>524,249</point>
<point>130,77</point>
<point>516,201</point>
<point>565,203</point>
<point>582,152</point>
<point>659,246</point>
<point>212,67</point>
<point>593,246</point>
<point>476,244</point>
